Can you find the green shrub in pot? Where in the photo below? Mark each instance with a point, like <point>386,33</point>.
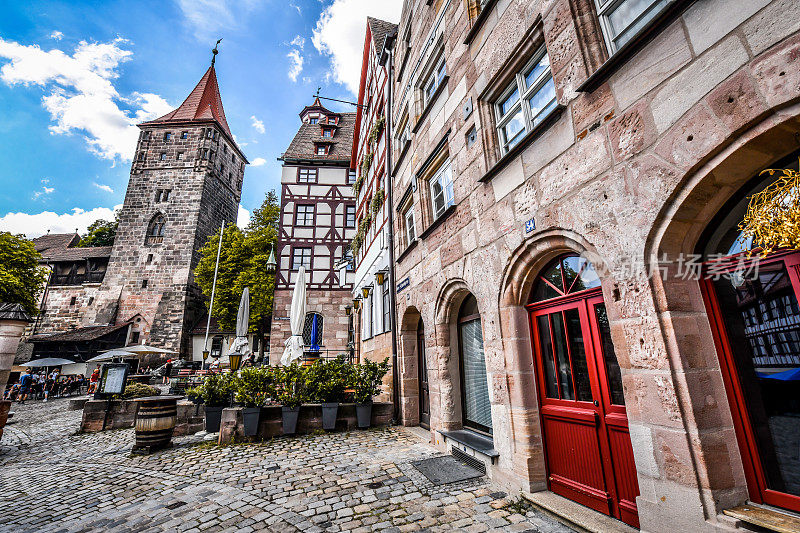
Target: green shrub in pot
<point>255,386</point>
<point>290,391</point>
<point>366,380</point>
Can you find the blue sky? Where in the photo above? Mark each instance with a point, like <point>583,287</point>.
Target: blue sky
<point>76,76</point>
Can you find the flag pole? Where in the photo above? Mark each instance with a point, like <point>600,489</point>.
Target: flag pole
<point>214,286</point>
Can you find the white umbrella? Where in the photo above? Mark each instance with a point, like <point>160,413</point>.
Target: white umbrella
<point>240,343</point>
<point>294,344</point>
<point>48,361</point>
<point>109,355</point>
<point>143,349</point>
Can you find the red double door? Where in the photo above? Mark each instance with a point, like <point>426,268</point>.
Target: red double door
<point>585,427</point>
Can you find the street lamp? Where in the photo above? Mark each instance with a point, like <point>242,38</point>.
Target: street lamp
<point>365,292</point>
<point>356,303</point>
<point>271,267</point>
<point>205,356</point>
<point>380,277</point>
<point>235,360</point>
<point>348,310</point>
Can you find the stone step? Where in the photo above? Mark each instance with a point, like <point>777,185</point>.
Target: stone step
<point>768,518</point>
<point>574,515</point>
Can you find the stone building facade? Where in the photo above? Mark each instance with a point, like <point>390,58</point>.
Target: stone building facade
<point>370,141</point>
<point>563,161</point>
<point>317,222</point>
<point>186,179</point>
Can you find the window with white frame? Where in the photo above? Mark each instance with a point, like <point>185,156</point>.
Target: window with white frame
<point>301,257</point>
<point>622,19</point>
<point>434,79</point>
<point>307,175</point>
<point>322,149</point>
<point>441,184</point>
<point>304,215</point>
<point>350,216</point>
<point>409,227</point>
<point>526,101</point>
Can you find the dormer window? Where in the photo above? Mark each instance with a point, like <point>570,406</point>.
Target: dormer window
<point>322,149</point>
<point>313,119</point>
<point>168,136</point>
<point>327,133</point>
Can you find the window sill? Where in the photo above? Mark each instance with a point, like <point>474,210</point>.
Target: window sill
<point>438,222</point>
<point>439,90</point>
<point>476,26</point>
<point>522,144</point>
<point>634,46</point>
<point>407,251</point>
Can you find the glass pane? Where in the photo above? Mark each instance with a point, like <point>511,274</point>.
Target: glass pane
<point>547,356</point>
<point>609,356</point>
<point>476,389</point>
<point>623,19</point>
<point>580,268</point>
<point>562,357</point>
<point>583,388</point>
<point>536,70</point>
<point>553,275</point>
<point>505,105</point>
<point>437,195</point>
<point>762,321</point>
<point>543,101</point>
<point>543,291</point>
<point>514,128</point>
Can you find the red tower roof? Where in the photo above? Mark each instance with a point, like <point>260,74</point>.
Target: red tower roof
<point>203,104</point>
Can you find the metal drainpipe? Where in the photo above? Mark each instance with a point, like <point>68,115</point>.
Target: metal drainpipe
<point>388,47</point>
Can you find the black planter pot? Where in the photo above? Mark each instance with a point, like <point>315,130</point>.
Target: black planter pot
<point>251,416</point>
<point>329,412</point>
<point>290,415</point>
<point>213,418</point>
<point>364,414</point>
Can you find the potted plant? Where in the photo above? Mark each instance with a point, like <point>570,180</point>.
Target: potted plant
<point>216,394</point>
<point>253,390</point>
<point>328,380</point>
<point>195,394</point>
<point>290,392</point>
<point>366,382</point>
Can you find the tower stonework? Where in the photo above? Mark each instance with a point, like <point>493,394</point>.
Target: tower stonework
<point>186,179</point>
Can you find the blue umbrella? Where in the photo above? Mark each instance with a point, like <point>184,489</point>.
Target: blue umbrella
<point>793,374</point>
<point>314,345</point>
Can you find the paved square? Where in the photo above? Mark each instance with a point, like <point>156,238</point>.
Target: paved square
<point>54,480</point>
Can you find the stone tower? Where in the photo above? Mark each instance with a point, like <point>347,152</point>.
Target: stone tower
<point>186,179</point>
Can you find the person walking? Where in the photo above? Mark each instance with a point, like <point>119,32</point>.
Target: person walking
<point>95,377</point>
<point>167,371</point>
<point>25,383</point>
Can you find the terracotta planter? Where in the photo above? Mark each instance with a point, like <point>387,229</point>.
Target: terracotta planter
<point>290,415</point>
<point>329,413</point>
<point>251,416</point>
<point>213,418</point>
<point>364,414</point>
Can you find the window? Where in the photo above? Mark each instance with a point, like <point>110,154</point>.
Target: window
<point>149,258</point>
<point>158,195</point>
<point>351,177</point>
<point>155,231</point>
<point>301,257</point>
<point>367,316</point>
<point>184,135</point>
<point>322,149</point>
<point>165,195</point>
<point>312,329</point>
<point>135,337</point>
<point>73,300</point>
<point>441,190</point>
<point>146,136</point>
<point>208,133</point>
<point>327,133</point>
<point>304,215</point>
<point>435,79</point>
<point>168,136</point>
<point>622,19</point>
<point>216,346</point>
<point>313,119</point>
<point>141,156</point>
<point>144,283</point>
<point>476,409</point>
<point>225,148</point>
<point>387,316</point>
<point>517,115</point>
<point>163,156</point>
<point>179,157</point>
<point>350,216</point>
<point>474,8</point>
<point>409,227</point>
<point>307,175</point>
<point>204,153</point>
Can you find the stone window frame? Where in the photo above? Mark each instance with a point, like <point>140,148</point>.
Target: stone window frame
<point>408,229</point>
<point>307,216</point>
<point>442,169</point>
<point>156,229</point>
<point>603,10</point>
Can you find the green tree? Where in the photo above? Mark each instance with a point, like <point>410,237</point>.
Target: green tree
<point>21,277</point>
<point>100,233</point>
<point>242,263</point>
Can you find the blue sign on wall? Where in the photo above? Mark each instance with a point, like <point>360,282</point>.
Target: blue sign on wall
<point>530,225</point>
<point>403,284</point>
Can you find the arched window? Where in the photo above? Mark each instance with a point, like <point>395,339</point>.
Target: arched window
<point>155,231</point>
<point>566,275</point>
<point>313,320</point>
<point>476,410</point>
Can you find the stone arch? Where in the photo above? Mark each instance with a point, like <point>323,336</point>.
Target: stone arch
<point>155,228</point>
<point>681,311</point>
<point>408,367</point>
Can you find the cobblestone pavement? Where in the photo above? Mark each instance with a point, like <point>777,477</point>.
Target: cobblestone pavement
<point>52,479</point>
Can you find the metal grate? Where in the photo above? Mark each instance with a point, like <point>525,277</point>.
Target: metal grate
<point>469,460</point>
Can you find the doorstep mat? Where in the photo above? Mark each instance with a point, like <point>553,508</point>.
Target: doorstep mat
<point>445,469</point>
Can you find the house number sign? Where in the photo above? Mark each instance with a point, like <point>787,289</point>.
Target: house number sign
<point>530,225</point>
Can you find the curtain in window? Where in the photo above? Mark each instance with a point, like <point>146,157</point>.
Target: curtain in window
<point>477,409</point>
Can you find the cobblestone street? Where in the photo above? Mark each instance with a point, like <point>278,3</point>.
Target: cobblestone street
<point>55,480</point>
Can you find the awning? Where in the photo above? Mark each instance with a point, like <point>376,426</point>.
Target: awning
<point>48,361</point>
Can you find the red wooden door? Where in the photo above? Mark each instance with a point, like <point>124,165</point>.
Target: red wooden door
<point>585,428</point>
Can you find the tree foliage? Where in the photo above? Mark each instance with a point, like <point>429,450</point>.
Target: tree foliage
<point>242,263</point>
<point>100,233</point>
<point>21,277</point>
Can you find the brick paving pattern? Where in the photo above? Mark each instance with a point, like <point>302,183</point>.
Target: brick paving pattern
<point>55,480</point>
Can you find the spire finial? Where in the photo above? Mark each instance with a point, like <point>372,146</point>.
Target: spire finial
<point>215,52</point>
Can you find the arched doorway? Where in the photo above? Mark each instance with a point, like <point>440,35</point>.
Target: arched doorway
<point>476,412</point>
<point>422,370</point>
<point>587,445</point>
<point>752,303</point>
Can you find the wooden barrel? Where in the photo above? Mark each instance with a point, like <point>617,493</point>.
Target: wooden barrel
<point>155,422</point>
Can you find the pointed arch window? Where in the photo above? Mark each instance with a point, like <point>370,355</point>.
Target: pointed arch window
<point>155,231</point>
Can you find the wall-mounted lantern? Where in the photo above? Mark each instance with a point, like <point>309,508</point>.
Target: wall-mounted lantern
<point>380,277</point>
<point>365,292</point>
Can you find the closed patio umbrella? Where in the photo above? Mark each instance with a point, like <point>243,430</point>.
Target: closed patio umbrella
<point>294,344</point>
<point>240,343</point>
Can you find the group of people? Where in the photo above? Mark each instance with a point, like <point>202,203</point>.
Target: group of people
<point>42,385</point>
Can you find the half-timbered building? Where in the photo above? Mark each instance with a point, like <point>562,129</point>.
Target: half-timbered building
<point>316,225</point>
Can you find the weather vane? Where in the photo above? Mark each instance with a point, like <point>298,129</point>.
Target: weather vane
<point>215,52</point>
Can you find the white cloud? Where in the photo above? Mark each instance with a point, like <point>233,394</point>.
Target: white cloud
<point>243,217</point>
<point>340,32</point>
<point>299,11</point>
<point>34,225</point>
<point>57,35</point>
<point>258,162</point>
<point>103,187</point>
<point>208,18</point>
<point>81,97</point>
<point>258,125</point>
<point>296,66</point>
<point>298,41</point>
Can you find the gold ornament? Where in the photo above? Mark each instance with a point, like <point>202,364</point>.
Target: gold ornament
<point>773,215</point>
